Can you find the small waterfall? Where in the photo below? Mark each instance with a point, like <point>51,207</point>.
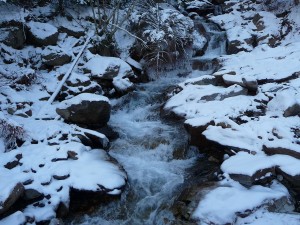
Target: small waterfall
<point>216,47</point>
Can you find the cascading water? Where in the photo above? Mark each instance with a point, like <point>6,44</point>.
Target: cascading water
<point>216,46</point>
<point>151,151</point>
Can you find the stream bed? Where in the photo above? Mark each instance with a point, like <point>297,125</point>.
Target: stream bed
<point>154,151</point>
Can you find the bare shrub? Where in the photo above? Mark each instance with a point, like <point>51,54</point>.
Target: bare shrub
<point>166,32</point>
<point>11,134</point>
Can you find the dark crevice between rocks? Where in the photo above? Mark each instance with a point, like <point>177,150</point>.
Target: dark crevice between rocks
<point>83,202</point>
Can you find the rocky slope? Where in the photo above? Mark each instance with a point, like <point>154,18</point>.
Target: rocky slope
<point>246,114</point>
<point>55,73</point>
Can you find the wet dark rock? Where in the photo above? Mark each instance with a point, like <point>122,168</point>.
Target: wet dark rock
<point>188,201</point>
<point>78,83</point>
<point>202,64</point>
<point>281,205</point>
<point>250,84</point>
<point>104,48</point>
<point>14,195</point>
<point>59,159</point>
<point>84,140</point>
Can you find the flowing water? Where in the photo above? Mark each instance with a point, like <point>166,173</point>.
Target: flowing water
<point>153,151</point>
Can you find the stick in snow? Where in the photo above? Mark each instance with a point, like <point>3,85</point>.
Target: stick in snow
<point>65,78</point>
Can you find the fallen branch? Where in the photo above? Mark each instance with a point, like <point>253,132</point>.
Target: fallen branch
<point>65,78</point>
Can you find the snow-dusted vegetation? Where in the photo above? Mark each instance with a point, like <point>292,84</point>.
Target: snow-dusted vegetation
<point>150,112</point>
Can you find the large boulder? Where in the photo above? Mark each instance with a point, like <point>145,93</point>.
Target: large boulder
<point>107,68</point>
<point>112,73</point>
<point>11,197</point>
<point>86,109</point>
<point>42,34</point>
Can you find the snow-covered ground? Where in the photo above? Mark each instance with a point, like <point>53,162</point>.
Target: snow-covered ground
<point>41,169</point>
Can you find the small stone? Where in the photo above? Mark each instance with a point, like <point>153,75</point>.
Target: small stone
<point>63,177</point>
<point>46,183</point>
<point>72,155</point>
<point>27,182</point>
<point>19,157</point>
<point>11,111</point>
<point>11,165</point>
<point>29,112</point>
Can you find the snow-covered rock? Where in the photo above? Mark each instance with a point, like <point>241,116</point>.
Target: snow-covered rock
<point>42,34</point>
<point>79,83</point>
<point>111,72</point>
<point>55,56</point>
<point>86,109</point>
<point>72,30</point>
<point>102,67</point>
<point>225,204</point>
<point>54,171</point>
<point>202,8</point>
<point>249,24</point>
